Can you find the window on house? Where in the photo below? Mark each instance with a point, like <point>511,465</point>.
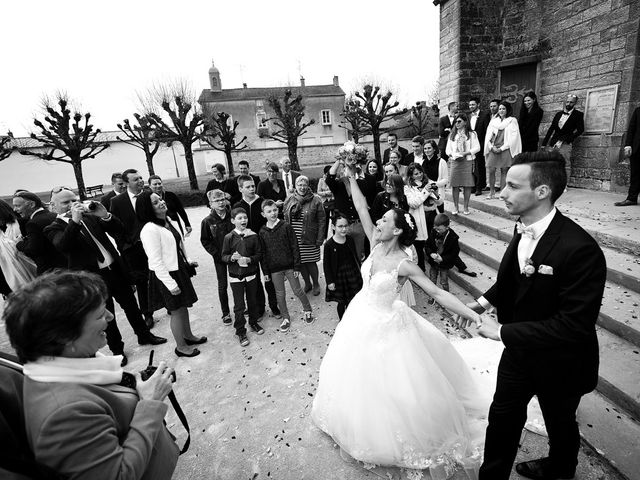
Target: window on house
<point>259,104</point>
<point>325,117</point>
<point>261,120</point>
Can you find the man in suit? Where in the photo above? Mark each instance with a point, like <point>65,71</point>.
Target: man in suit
<point>81,235</point>
<point>35,244</point>
<point>632,151</point>
<point>478,122</point>
<point>417,151</point>
<point>444,129</point>
<point>287,175</point>
<point>392,141</point>
<point>118,187</point>
<point>493,109</point>
<point>243,169</point>
<point>135,259</point>
<point>547,295</point>
<point>566,125</point>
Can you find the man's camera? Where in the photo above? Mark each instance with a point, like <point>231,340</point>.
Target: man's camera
<point>151,369</point>
<point>90,206</point>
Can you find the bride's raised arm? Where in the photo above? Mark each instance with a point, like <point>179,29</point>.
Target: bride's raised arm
<point>360,202</point>
<point>444,298</point>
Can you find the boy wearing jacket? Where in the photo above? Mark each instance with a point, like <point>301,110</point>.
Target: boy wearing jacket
<point>282,259</point>
<point>443,250</point>
<point>242,252</point>
<point>213,229</point>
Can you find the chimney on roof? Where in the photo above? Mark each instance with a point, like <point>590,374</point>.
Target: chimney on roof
<point>335,81</point>
<point>301,81</point>
<point>244,85</point>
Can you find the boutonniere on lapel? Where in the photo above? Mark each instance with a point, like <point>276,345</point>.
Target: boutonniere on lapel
<point>529,268</point>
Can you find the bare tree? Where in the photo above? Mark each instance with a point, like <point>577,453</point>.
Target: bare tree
<point>377,109</point>
<point>66,137</point>
<point>352,119</point>
<point>289,122</point>
<point>176,102</point>
<point>5,149</point>
<point>142,136</point>
<point>221,135</point>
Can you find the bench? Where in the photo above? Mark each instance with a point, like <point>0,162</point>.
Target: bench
<point>93,191</point>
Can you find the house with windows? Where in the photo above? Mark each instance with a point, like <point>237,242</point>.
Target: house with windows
<point>249,107</point>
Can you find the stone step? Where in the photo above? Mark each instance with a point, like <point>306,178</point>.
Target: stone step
<point>617,230</point>
<point>619,372</point>
<point>611,432</point>
<point>622,268</point>
<point>620,311</point>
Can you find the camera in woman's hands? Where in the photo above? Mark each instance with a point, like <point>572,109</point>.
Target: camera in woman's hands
<point>151,369</point>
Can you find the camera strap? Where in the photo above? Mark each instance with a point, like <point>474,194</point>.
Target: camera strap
<point>183,419</point>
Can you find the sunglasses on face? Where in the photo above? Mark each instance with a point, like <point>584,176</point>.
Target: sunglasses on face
<point>59,189</point>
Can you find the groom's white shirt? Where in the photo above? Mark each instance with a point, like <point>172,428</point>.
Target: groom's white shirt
<point>526,247</point>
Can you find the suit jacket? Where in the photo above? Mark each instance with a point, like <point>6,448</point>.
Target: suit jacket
<point>122,208</point>
<point>443,124</point>
<point>294,175</point>
<point>98,431</point>
<point>450,250</point>
<point>633,134</point>
<point>411,158</point>
<point>403,155</point>
<point>548,321</point>
<point>37,246</point>
<point>573,127</point>
<point>481,126</point>
<point>106,199</point>
<point>81,251</point>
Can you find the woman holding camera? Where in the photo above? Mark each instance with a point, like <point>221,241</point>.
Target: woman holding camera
<point>422,198</point>
<point>84,417</point>
<point>170,284</point>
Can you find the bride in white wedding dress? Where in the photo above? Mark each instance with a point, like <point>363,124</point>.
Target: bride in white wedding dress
<point>393,390</point>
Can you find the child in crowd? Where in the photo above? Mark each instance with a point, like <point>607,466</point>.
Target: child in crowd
<point>213,229</point>
<point>443,250</point>
<point>282,259</point>
<point>341,265</point>
<point>241,250</point>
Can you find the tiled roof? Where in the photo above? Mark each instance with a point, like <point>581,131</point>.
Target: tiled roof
<point>263,92</point>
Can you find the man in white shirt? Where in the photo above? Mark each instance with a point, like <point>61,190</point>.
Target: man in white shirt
<point>288,175</point>
<point>547,296</point>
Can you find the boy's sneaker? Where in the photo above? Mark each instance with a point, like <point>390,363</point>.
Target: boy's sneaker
<point>257,328</point>
<point>276,314</point>
<point>244,341</point>
<point>285,325</point>
<point>308,317</point>
<point>227,320</point>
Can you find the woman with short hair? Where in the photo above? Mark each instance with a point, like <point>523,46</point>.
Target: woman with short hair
<point>85,417</point>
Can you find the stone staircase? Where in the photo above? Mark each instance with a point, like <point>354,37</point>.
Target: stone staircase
<point>609,417</point>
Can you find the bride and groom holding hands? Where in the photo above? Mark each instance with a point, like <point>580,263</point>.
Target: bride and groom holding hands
<point>394,391</point>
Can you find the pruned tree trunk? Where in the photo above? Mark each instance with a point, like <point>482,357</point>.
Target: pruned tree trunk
<point>191,170</point>
<point>230,171</point>
<point>292,147</point>
<point>149,158</point>
<point>77,170</point>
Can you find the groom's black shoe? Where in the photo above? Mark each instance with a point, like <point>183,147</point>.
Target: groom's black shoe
<point>541,469</point>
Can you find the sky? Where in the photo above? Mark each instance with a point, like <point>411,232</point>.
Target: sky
<point>103,56</point>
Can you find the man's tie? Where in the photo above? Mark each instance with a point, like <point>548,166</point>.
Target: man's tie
<point>525,231</point>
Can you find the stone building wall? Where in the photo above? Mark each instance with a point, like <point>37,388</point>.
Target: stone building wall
<point>579,45</point>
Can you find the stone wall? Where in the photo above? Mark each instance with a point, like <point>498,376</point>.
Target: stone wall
<point>580,44</point>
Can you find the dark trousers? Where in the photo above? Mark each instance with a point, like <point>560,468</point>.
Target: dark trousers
<point>223,296</point>
<point>138,265</point>
<point>419,245</point>
<point>634,177</point>
<point>271,295</point>
<point>508,414</point>
<point>480,173</point>
<point>240,290</point>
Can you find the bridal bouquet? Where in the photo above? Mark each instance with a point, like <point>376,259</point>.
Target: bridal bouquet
<point>352,154</point>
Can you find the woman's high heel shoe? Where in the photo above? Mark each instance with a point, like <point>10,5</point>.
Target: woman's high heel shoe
<point>197,341</point>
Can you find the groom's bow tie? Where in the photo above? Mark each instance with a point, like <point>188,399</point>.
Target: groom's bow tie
<point>525,231</point>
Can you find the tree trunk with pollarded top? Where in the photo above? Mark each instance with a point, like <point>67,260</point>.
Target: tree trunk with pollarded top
<point>221,136</point>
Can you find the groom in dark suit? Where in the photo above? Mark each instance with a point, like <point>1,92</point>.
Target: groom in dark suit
<point>547,296</point>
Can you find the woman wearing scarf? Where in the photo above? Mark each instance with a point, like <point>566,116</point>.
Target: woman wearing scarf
<point>84,417</point>
<point>462,147</point>
<point>501,144</point>
<point>303,211</point>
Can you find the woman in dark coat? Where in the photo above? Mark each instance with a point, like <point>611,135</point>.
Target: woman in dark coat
<point>529,122</point>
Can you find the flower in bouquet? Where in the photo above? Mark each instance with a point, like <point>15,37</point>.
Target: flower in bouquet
<point>352,154</point>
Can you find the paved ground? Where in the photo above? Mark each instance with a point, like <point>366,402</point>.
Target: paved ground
<point>249,407</point>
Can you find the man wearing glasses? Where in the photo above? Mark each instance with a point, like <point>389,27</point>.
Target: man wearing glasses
<point>35,244</point>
